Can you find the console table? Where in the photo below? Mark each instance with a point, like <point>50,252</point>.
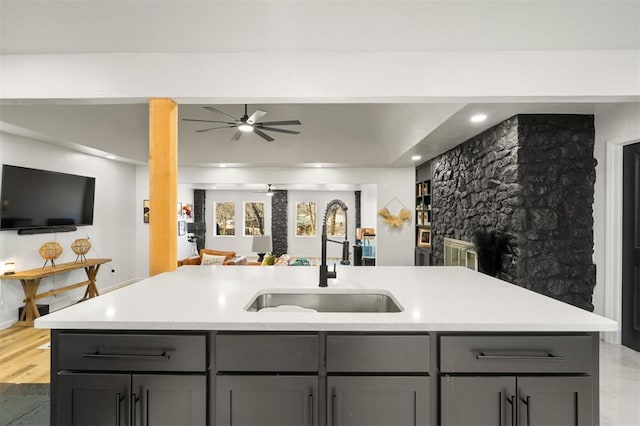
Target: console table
<point>31,281</point>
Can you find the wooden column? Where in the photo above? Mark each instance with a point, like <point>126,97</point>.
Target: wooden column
<point>163,185</point>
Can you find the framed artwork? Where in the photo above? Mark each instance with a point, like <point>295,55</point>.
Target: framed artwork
<point>424,237</point>
<point>179,209</point>
<point>182,227</point>
<point>187,210</point>
<point>145,211</point>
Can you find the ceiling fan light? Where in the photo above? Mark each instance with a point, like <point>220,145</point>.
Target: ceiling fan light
<point>244,127</point>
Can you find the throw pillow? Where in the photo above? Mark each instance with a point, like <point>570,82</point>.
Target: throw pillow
<point>269,260</point>
<point>210,259</point>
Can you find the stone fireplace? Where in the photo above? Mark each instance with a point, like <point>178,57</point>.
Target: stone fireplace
<point>530,177</point>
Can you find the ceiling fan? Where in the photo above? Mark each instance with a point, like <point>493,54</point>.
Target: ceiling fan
<point>248,124</point>
<point>269,192</point>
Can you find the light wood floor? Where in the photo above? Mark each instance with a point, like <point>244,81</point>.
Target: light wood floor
<point>20,359</point>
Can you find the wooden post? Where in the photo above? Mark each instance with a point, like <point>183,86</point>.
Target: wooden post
<point>163,185</point>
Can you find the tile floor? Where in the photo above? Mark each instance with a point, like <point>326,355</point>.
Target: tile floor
<point>619,386</point>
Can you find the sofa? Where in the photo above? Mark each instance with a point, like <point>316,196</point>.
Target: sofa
<point>214,257</point>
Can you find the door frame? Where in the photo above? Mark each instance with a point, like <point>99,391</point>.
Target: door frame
<point>613,233</point>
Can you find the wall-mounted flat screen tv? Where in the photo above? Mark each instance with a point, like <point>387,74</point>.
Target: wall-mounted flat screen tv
<point>32,198</point>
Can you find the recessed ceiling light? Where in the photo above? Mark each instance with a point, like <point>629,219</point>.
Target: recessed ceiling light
<point>317,165</point>
<point>223,165</point>
<point>213,187</point>
<point>416,157</point>
<point>111,156</point>
<point>478,118</point>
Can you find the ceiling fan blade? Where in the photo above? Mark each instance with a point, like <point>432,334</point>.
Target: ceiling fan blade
<point>212,109</point>
<point>214,128</point>
<point>273,129</point>
<point>236,135</point>
<point>207,121</point>
<point>281,123</point>
<point>262,134</point>
<point>257,115</point>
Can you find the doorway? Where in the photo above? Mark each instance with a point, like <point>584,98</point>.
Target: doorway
<point>631,247</point>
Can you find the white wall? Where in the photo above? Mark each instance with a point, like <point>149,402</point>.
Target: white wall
<point>112,234</point>
<point>615,124</point>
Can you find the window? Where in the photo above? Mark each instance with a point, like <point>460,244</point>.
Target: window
<point>306,219</point>
<point>225,214</point>
<point>253,218</point>
<point>336,222</point>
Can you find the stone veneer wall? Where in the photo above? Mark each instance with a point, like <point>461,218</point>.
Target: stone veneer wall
<point>532,178</point>
<point>279,224</point>
<point>199,214</point>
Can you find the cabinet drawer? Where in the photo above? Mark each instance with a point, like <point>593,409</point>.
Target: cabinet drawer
<point>132,352</point>
<point>267,352</point>
<point>378,353</point>
<point>516,354</point>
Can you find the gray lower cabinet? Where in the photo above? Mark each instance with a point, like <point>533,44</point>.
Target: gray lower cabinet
<point>266,400</point>
<point>516,401</point>
<point>377,400</point>
<point>124,399</point>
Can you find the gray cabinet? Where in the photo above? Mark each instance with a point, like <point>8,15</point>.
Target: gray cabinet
<point>128,379</point>
<point>266,400</point>
<point>93,399</point>
<point>377,400</point>
<point>518,380</point>
<point>516,401</point>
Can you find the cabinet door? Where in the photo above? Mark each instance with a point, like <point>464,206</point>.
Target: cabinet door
<point>377,401</point>
<point>266,400</point>
<point>93,399</point>
<point>552,401</point>
<point>169,399</point>
<point>478,401</point>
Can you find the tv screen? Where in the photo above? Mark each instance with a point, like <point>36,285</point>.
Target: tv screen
<point>32,198</point>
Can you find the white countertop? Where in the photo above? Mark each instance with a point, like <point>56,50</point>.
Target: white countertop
<point>432,298</point>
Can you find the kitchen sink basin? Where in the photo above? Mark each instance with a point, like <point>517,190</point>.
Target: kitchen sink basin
<point>325,302</point>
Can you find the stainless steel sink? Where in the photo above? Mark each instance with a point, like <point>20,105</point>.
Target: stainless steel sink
<point>326,302</point>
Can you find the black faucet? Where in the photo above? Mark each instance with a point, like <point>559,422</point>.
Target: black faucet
<point>325,274</point>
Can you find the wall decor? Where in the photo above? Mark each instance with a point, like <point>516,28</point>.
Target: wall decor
<point>49,252</point>
<point>424,237</point>
<point>81,247</point>
<point>179,209</point>
<point>393,221</point>
<point>145,211</point>
<point>182,227</point>
<point>187,210</point>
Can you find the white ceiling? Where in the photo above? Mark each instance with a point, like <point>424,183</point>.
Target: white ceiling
<point>337,134</point>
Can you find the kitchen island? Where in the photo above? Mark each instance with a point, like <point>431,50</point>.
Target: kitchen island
<point>464,347</point>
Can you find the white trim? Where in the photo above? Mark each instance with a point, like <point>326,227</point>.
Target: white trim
<point>613,233</point>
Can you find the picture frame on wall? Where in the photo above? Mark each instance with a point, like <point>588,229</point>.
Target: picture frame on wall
<point>145,211</point>
<point>182,227</point>
<point>179,209</point>
<point>424,237</point>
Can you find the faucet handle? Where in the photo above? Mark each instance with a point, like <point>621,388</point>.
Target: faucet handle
<point>332,274</point>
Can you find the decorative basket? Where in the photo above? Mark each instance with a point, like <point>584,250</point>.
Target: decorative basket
<point>81,247</point>
<point>50,251</point>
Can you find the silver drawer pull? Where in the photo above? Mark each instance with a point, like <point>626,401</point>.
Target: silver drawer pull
<point>540,357</point>
<point>162,356</point>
